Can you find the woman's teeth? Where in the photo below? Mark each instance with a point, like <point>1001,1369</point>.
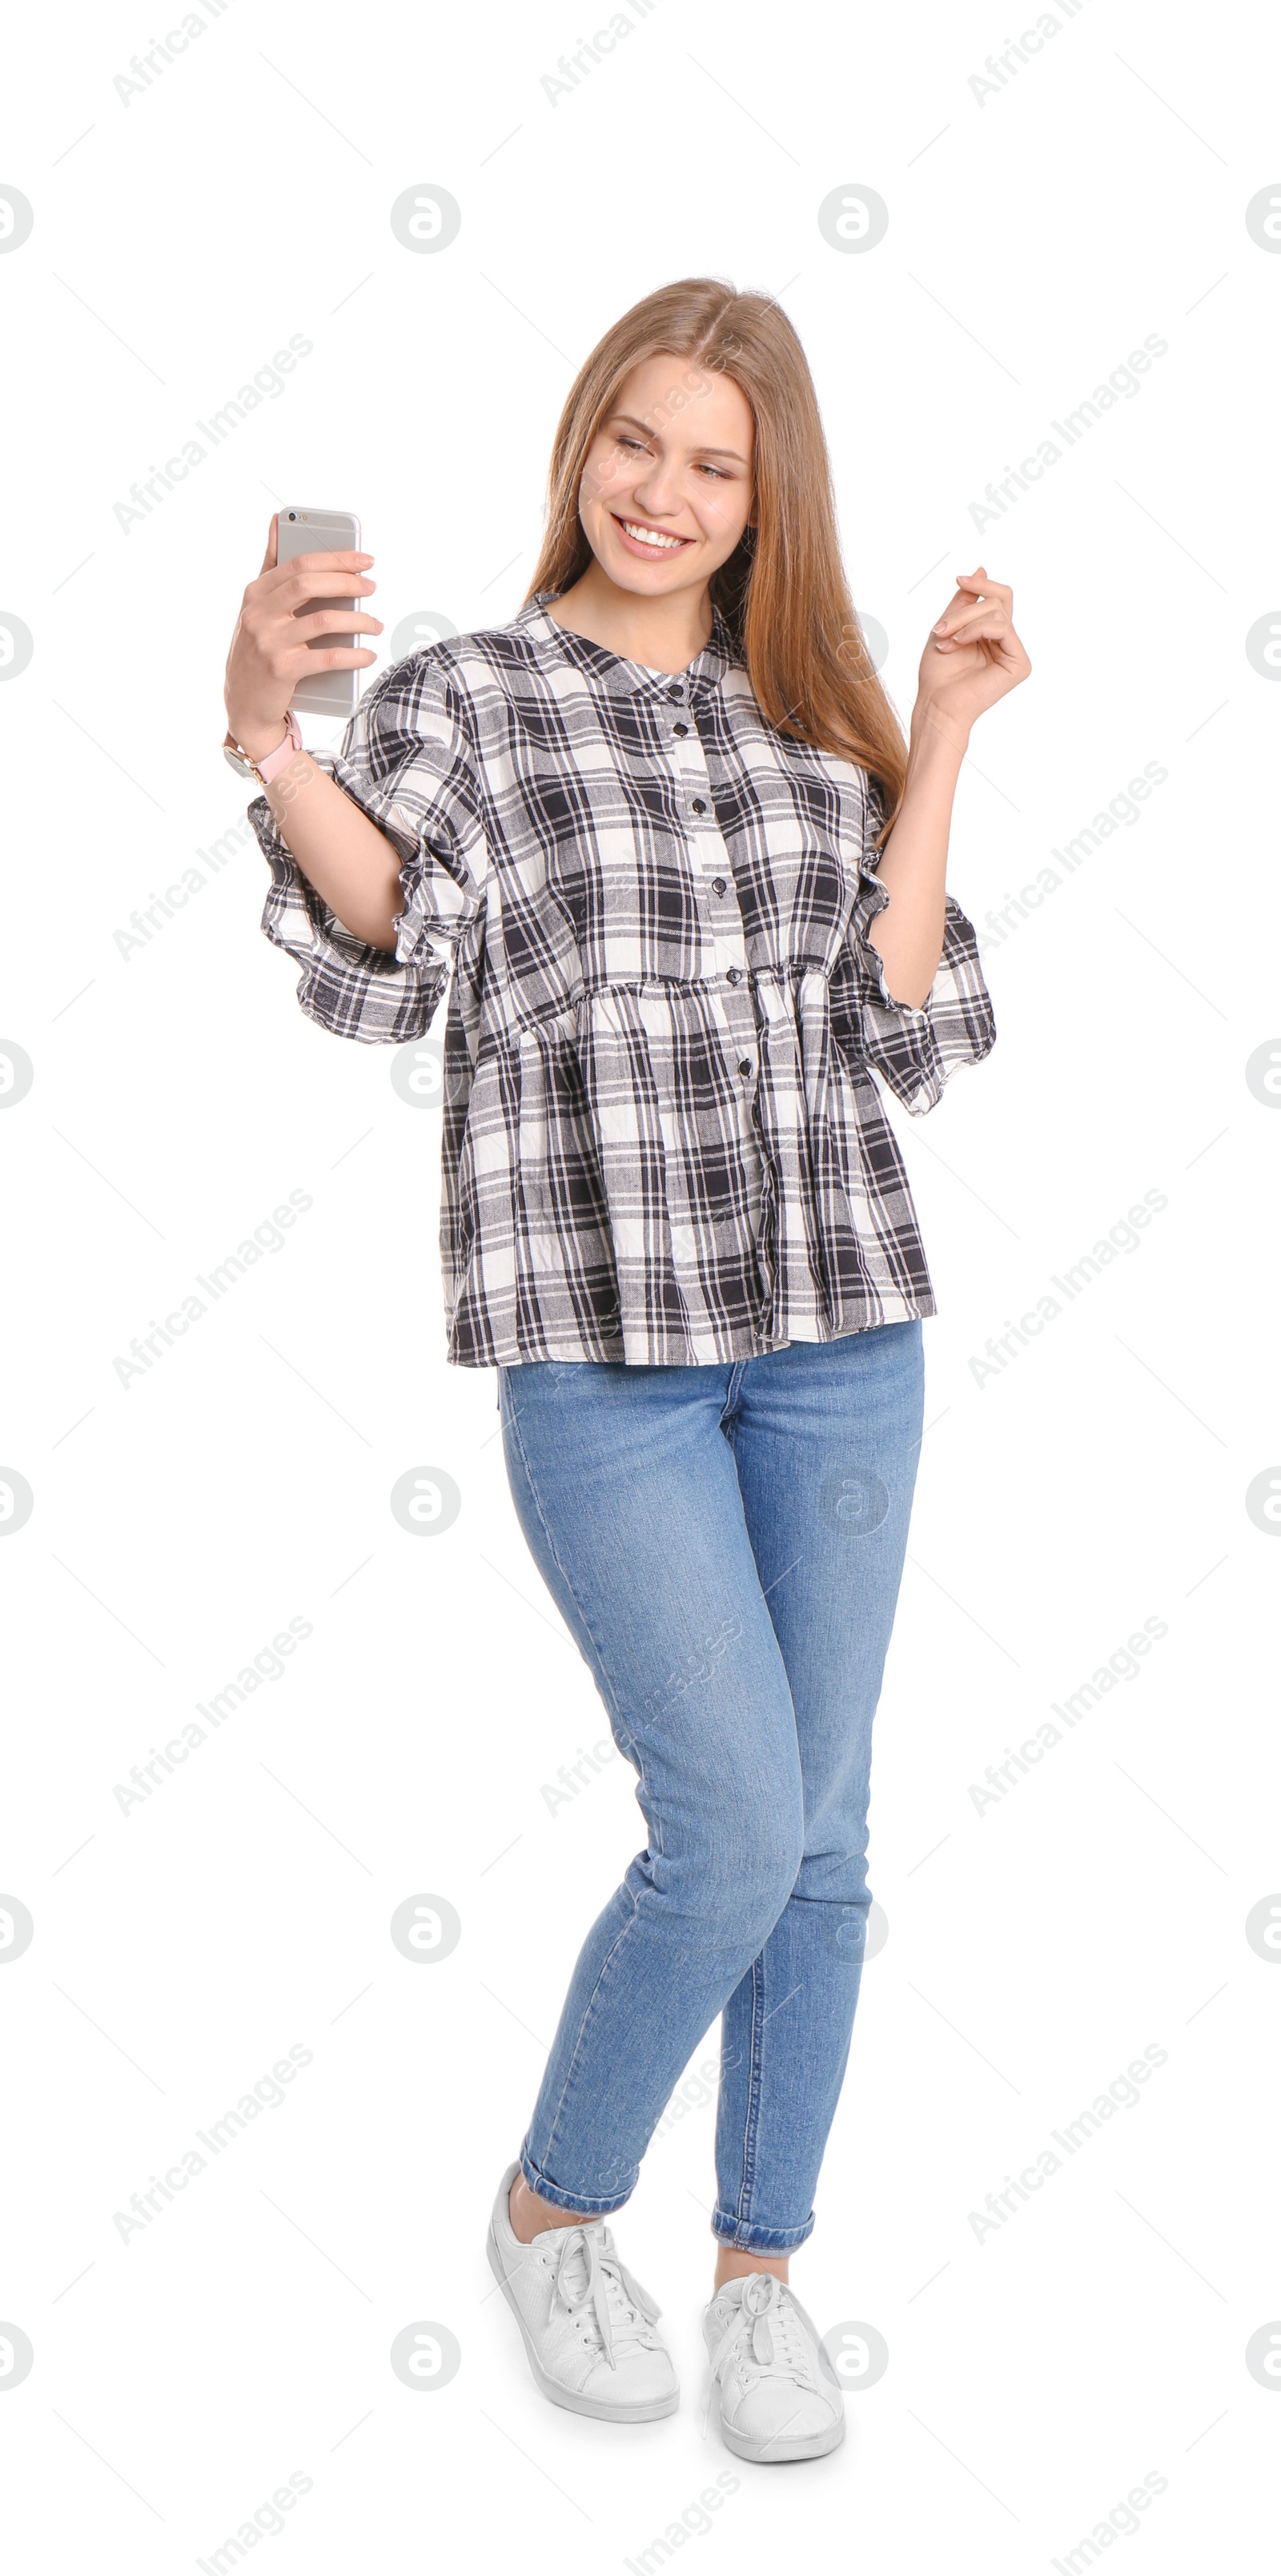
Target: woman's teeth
<point>648,536</point>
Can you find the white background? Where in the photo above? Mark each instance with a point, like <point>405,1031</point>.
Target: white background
<point>1035,1948</point>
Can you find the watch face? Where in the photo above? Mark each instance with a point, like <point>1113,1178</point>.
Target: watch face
<point>243,768</point>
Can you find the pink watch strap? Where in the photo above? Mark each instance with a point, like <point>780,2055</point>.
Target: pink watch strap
<point>284,752</point>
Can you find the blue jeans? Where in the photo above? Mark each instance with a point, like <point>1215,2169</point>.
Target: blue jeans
<point>725,1545</point>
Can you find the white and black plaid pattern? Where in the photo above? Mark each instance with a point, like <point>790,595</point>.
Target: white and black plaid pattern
<point>662,1141</point>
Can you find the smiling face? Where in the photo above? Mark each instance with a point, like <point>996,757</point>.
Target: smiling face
<point>667,489</point>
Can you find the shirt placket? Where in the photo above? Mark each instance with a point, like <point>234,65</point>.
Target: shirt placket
<point>720,912</point>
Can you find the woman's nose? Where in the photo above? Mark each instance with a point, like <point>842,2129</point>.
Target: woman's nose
<point>659,491</point>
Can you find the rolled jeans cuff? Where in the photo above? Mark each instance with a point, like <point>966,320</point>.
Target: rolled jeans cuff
<point>743,2238</point>
<point>573,2201</point>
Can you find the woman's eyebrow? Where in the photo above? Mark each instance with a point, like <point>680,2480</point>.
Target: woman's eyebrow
<point>633,423</point>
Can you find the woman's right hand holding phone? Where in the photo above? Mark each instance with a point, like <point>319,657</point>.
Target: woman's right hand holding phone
<point>271,647</point>
<point>351,864</point>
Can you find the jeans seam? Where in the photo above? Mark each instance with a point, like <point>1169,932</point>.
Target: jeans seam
<point>626,1739</point>
<point>629,1745</point>
<point>580,2034</point>
<point>731,1391</point>
<point>751,2120</point>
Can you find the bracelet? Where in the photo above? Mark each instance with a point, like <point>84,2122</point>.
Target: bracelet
<point>272,762</point>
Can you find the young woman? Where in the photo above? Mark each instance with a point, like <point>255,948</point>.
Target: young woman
<point>692,884</point>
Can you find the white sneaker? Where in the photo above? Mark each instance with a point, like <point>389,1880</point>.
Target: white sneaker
<point>780,2398</point>
<point>588,2325</point>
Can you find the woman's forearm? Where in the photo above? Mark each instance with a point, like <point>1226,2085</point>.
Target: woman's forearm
<point>351,864</point>
<point>912,865</point>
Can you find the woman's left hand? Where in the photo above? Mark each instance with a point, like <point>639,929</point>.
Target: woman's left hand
<point>973,657</point>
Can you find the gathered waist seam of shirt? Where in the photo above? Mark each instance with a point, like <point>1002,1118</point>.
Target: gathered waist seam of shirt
<point>784,971</point>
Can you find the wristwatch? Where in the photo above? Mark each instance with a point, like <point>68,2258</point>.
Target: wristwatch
<point>272,762</point>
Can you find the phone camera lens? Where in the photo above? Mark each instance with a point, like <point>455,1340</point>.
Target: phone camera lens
<point>293,514</point>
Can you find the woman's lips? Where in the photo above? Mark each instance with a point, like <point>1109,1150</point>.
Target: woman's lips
<point>648,554</point>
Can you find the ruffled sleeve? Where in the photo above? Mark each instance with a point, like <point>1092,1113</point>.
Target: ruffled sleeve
<point>406,760</point>
<point>915,1050</point>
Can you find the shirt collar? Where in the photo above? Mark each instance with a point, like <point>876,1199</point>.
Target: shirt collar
<point>622,678</point>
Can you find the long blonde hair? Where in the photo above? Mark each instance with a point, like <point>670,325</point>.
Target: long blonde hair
<point>783,592</point>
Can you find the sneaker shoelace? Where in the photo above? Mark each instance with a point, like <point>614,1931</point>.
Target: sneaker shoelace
<point>764,2332</point>
<point>590,2279</point>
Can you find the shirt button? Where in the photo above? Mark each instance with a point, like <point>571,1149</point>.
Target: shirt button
<point>678,694</point>
<point>700,805</point>
<point>746,1067</point>
<point>733,974</point>
<point>680,731</point>
<point>718,885</point>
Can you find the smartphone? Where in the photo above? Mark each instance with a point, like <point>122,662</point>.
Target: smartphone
<point>315,532</point>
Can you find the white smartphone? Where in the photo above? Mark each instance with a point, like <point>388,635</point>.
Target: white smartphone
<point>315,532</point>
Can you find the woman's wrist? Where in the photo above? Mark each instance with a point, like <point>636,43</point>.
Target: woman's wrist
<point>255,738</point>
<point>935,742</point>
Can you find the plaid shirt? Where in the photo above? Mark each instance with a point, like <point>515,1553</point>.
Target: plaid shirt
<point>662,1140</point>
